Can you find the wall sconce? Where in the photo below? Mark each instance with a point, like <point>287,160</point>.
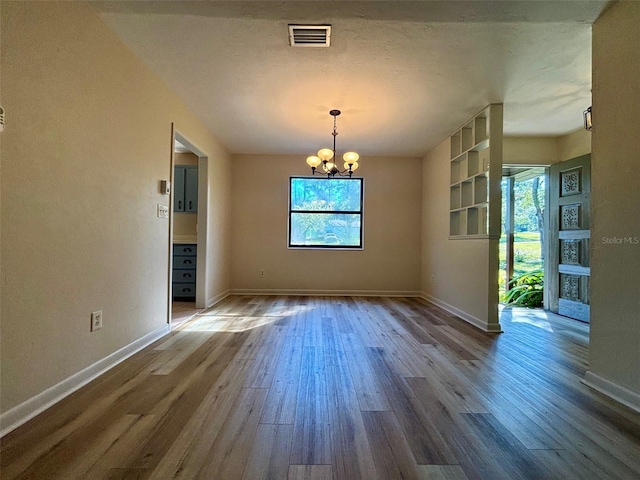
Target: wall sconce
<point>587,119</point>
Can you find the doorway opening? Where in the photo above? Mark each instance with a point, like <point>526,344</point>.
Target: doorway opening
<point>188,230</point>
<point>522,239</point>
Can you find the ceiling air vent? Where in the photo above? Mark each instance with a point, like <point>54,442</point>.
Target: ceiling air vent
<point>310,35</point>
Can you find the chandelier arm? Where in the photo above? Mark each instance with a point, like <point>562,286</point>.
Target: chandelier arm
<point>334,170</point>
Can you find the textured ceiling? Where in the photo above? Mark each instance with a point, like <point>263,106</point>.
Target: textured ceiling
<point>404,74</point>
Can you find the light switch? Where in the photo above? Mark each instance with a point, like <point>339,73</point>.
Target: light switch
<point>163,211</point>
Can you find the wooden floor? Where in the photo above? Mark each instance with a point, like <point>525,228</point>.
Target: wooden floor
<point>182,311</point>
<point>338,388</point>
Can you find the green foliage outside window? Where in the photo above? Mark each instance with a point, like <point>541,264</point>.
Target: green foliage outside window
<point>325,212</point>
<point>526,290</point>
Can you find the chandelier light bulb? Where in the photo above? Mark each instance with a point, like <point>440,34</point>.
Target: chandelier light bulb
<point>351,157</point>
<point>325,154</point>
<point>313,161</point>
<point>351,166</point>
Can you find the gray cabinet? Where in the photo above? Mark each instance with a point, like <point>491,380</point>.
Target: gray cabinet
<point>185,190</point>
<point>184,270</point>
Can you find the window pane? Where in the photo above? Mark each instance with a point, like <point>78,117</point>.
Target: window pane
<point>324,194</point>
<point>325,229</point>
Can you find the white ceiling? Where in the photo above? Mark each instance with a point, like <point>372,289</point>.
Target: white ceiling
<point>404,73</point>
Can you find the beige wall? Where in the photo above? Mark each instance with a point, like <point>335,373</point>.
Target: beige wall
<point>185,159</point>
<point>546,150</point>
<point>614,353</point>
<point>573,145</point>
<point>389,261</point>
<point>454,272</point>
<point>88,140</point>
<point>530,150</point>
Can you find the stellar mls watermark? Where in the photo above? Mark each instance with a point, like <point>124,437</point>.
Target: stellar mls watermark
<point>621,240</point>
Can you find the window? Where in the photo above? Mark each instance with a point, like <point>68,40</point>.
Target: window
<point>325,213</point>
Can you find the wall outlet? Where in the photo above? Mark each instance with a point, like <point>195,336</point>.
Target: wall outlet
<point>96,320</point>
<point>163,211</point>
<point>262,272</point>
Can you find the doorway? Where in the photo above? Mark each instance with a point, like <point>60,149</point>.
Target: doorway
<point>188,230</point>
<point>522,240</point>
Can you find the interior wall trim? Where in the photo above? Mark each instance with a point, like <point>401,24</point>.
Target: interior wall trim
<point>25,411</point>
<point>476,322</point>
<point>325,293</point>
<point>613,390</point>
<point>217,298</point>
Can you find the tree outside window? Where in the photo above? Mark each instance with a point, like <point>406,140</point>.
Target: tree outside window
<point>325,213</point>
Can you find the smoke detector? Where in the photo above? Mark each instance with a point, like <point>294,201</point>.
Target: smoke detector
<point>310,35</point>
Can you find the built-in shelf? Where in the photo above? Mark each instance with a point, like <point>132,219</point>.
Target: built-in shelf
<point>476,165</point>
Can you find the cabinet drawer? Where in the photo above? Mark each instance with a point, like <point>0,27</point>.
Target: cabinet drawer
<point>184,276</point>
<point>184,289</point>
<point>183,262</point>
<point>185,249</point>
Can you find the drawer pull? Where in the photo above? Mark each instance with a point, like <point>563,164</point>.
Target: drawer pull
<point>188,249</point>
<point>186,275</point>
<point>187,262</point>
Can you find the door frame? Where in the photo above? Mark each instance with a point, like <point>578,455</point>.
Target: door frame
<point>202,260</point>
<point>545,220</point>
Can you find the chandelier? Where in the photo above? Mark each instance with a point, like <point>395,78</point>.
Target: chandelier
<point>326,157</point>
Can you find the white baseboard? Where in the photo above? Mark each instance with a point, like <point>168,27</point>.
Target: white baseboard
<point>324,293</point>
<point>613,390</point>
<point>218,298</point>
<point>20,414</point>
<point>476,322</point>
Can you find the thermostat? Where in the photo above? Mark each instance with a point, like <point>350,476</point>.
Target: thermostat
<point>165,187</point>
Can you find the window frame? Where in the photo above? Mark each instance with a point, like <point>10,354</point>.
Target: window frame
<point>359,212</point>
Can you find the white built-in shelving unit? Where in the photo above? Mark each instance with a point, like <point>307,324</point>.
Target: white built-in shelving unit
<point>476,169</point>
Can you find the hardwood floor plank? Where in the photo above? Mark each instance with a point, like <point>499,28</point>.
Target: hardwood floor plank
<point>441,472</point>
<point>454,389</point>
<point>566,464</point>
<point>280,405</point>
<point>190,449</point>
<point>509,413</point>
<point>263,366</point>
<point>269,457</point>
<point>230,452</point>
<point>508,452</point>
<point>352,458</point>
<point>342,388</point>
<point>407,354</point>
<point>117,455</point>
<point>311,425</point>
<point>310,472</point>
<point>127,474</point>
<point>371,395</point>
<point>84,452</point>
<point>425,441</point>
<point>179,409</point>
<point>391,453</point>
